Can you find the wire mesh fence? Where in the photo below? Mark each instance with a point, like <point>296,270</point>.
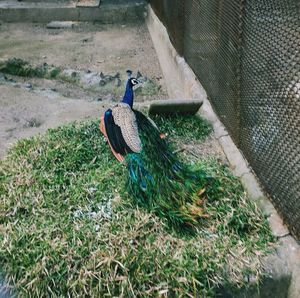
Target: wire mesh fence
<point>246,54</point>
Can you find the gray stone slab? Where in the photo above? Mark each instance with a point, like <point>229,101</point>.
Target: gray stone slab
<point>88,3</point>
<point>60,25</point>
<point>219,129</point>
<point>251,185</point>
<point>278,228</point>
<point>35,4</point>
<point>173,106</point>
<point>265,206</point>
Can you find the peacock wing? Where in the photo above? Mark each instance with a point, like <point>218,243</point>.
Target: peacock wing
<point>125,118</point>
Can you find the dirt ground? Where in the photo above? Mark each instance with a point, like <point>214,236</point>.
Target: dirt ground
<point>30,105</point>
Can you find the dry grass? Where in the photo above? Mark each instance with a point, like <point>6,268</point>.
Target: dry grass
<point>68,228</point>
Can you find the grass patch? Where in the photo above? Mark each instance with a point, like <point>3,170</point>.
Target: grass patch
<point>69,228</point>
<point>54,72</point>
<point>19,67</point>
<point>186,128</point>
<point>22,68</point>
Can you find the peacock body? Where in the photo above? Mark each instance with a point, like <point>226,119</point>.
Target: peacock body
<point>157,179</point>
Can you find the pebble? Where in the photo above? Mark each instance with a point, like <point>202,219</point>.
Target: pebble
<point>118,82</point>
<point>28,85</point>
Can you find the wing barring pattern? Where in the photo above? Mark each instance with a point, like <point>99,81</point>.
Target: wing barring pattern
<point>125,118</point>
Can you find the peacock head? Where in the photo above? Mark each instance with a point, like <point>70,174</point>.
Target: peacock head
<point>132,82</point>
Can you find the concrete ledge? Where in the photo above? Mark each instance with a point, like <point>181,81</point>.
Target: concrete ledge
<point>107,14</point>
<point>60,25</point>
<point>88,3</point>
<point>283,266</point>
<point>173,106</point>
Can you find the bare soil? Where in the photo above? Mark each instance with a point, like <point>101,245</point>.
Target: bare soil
<point>29,106</point>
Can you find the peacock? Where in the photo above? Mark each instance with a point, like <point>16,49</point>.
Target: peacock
<point>157,179</point>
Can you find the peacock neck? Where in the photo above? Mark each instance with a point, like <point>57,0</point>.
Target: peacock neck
<point>128,96</point>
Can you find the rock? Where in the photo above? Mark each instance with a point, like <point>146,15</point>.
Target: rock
<point>3,78</point>
<point>118,82</point>
<point>60,25</point>
<point>85,40</point>
<point>102,83</point>
<point>28,85</point>
<point>32,122</point>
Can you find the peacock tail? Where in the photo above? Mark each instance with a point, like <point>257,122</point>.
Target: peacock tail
<point>159,181</point>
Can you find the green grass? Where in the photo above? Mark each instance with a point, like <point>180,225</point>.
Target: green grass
<point>68,226</point>
<point>185,128</point>
<point>19,67</point>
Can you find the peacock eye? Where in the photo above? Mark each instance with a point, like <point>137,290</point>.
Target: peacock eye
<point>134,82</point>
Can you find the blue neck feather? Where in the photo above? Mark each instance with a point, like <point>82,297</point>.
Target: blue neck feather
<point>128,96</point>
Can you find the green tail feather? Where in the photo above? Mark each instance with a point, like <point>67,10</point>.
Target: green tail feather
<point>159,181</point>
